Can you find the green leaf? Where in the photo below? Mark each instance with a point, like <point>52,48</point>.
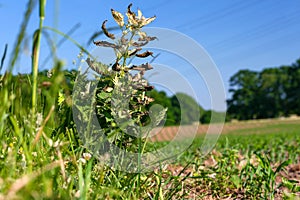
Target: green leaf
<point>104,95</point>
<point>61,98</point>
<point>282,165</point>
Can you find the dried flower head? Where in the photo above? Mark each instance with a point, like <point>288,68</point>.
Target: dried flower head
<point>137,21</point>
<point>118,17</point>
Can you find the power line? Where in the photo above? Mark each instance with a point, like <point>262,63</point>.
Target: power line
<point>262,30</point>
<point>221,13</point>
<point>271,44</point>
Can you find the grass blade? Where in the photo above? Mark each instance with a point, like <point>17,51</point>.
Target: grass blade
<point>3,57</point>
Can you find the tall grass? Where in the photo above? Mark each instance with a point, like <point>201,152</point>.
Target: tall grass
<point>36,54</point>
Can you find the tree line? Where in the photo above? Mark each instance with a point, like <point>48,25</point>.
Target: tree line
<point>270,93</point>
<point>183,109</point>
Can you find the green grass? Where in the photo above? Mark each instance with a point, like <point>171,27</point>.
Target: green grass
<point>234,174</point>
<point>55,167</point>
<point>273,127</point>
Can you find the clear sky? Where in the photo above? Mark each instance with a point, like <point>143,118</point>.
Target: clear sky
<point>237,34</point>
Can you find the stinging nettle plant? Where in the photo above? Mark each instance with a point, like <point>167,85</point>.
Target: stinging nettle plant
<point>121,91</point>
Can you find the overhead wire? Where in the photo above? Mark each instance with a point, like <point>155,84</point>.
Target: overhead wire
<point>271,44</point>
<point>263,30</point>
<point>221,13</point>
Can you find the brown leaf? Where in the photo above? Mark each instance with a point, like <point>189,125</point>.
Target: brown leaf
<point>116,67</point>
<point>140,87</point>
<point>149,87</point>
<point>143,67</point>
<point>133,52</point>
<point>118,17</point>
<point>131,16</point>
<point>147,21</point>
<point>148,38</point>
<point>110,35</point>
<point>105,44</point>
<point>145,54</point>
<point>139,44</point>
<point>129,10</point>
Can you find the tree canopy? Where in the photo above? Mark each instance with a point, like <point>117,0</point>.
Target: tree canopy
<point>272,92</point>
<point>182,108</point>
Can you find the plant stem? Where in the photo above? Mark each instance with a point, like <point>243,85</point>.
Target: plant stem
<point>127,49</point>
<point>139,161</point>
<point>21,35</point>
<point>36,53</point>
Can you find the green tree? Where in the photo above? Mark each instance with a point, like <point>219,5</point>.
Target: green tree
<point>161,98</point>
<point>182,108</point>
<point>190,109</point>
<point>206,117</point>
<point>243,103</point>
<point>293,89</point>
<point>273,92</point>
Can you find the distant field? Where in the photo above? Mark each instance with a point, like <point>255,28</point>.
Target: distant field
<point>285,125</point>
<point>256,159</point>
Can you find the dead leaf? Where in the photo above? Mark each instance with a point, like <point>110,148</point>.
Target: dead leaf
<point>118,17</point>
<point>110,35</point>
<point>145,54</point>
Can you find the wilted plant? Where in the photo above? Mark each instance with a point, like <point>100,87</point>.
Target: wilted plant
<point>121,91</point>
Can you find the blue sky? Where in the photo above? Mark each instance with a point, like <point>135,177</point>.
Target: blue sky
<point>237,34</point>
